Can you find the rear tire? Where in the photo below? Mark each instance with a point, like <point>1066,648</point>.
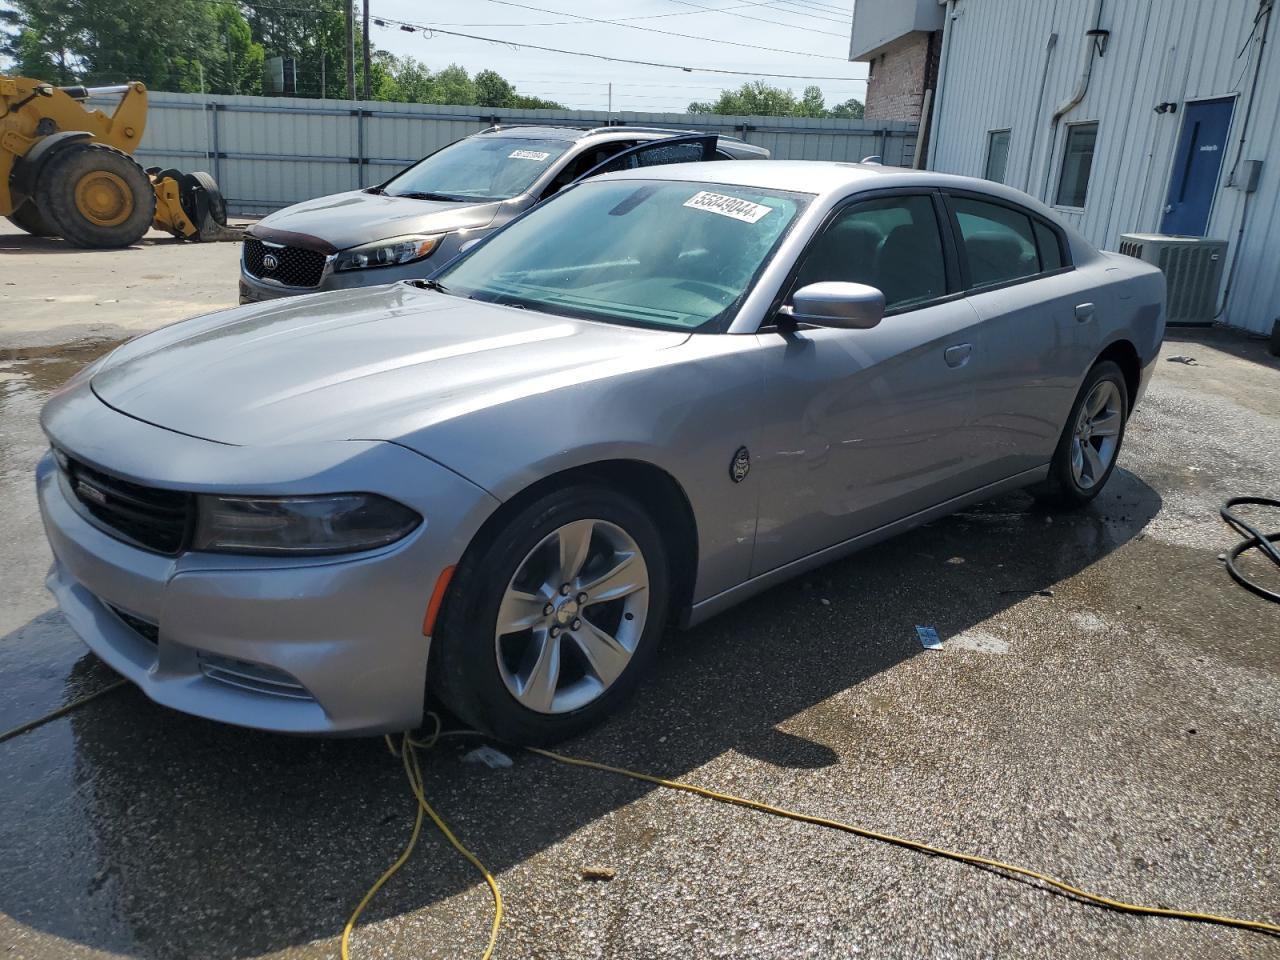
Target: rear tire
<point>1090,443</point>
<point>29,218</point>
<point>96,196</point>
<point>594,650</point>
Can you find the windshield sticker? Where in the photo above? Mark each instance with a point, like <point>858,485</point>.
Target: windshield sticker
<point>527,155</point>
<point>743,210</point>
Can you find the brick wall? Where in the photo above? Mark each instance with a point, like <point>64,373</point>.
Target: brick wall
<point>899,77</point>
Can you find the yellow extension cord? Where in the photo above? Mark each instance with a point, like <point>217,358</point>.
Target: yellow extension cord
<point>413,770</point>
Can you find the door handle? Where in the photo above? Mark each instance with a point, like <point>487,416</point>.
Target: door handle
<point>1084,312</point>
<point>958,355</point>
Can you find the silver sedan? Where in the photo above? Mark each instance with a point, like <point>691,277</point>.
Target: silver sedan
<point>657,394</point>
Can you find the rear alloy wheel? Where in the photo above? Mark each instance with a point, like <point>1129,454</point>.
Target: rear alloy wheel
<point>96,196</point>
<point>1096,439</point>
<point>1090,442</point>
<point>550,623</point>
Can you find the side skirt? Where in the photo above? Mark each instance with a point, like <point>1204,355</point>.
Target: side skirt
<point>705,609</point>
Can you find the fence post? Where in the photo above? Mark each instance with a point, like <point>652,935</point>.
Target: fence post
<point>212,107</point>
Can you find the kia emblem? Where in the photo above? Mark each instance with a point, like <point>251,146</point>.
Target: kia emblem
<point>270,262</point>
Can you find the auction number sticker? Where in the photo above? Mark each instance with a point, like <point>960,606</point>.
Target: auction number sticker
<point>733,207</point>
<point>527,155</point>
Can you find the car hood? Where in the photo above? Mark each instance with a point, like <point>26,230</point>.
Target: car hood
<point>376,363</point>
<point>350,219</point>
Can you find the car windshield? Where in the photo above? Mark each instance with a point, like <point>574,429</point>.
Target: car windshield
<point>478,168</point>
<point>671,255</point>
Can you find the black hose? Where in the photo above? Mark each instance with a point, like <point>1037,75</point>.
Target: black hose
<point>1256,538</point>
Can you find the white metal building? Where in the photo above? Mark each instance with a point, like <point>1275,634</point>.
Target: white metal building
<point>1127,116</point>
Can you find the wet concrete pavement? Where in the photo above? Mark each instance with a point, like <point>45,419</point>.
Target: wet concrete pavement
<point>1122,733</point>
<point>52,293</point>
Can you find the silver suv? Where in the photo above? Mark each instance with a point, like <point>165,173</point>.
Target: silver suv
<point>415,222</point>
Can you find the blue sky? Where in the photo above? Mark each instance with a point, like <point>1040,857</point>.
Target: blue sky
<point>817,30</point>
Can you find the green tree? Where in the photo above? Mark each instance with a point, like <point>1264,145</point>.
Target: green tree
<point>759,99</point>
<point>812,103</point>
<point>452,85</point>
<point>851,109</point>
<point>40,38</point>
<point>755,98</point>
<point>492,90</point>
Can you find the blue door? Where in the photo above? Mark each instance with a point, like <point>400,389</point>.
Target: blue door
<point>1196,166</point>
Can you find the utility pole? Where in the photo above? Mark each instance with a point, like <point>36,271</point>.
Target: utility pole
<point>610,97</point>
<point>322,77</point>
<point>366,49</point>
<point>351,50</point>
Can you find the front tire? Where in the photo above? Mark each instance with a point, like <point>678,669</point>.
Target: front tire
<point>1090,443</point>
<point>96,196</point>
<point>550,624</point>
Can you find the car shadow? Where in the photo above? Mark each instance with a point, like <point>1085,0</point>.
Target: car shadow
<point>136,829</point>
<point>1245,346</point>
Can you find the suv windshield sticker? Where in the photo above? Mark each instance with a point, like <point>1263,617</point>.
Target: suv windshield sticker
<point>733,207</point>
<point>527,155</point>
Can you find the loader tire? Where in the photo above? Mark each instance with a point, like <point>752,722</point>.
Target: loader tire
<point>96,196</point>
<point>28,217</point>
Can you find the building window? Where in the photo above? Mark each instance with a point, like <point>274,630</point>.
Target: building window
<point>997,154</point>
<point>1077,161</point>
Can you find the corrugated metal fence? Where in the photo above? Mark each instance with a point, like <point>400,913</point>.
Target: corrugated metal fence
<point>268,152</point>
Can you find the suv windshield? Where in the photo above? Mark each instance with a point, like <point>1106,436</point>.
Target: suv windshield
<point>478,168</point>
<point>672,255</point>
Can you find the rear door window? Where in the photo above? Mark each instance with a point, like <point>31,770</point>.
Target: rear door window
<point>655,153</point>
<point>998,242</point>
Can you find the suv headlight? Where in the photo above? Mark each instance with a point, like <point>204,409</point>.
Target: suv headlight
<point>387,253</point>
<point>333,523</point>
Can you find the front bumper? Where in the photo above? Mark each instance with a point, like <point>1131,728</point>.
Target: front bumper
<point>318,645</point>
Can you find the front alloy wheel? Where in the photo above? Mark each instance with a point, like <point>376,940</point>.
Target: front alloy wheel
<point>552,616</point>
<point>571,616</point>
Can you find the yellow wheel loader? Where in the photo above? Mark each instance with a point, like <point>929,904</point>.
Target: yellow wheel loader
<point>67,171</point>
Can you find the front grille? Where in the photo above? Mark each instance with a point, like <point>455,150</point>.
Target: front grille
<point>143,628</point>
<point>252,676</point>
<point>294,266</point>
<point>147,517</point>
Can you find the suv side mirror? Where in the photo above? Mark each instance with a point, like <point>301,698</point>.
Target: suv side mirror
<point>850,306</point>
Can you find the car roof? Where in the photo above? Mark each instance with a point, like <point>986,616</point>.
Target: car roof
<point>822,177</point>
<point>550,132</point>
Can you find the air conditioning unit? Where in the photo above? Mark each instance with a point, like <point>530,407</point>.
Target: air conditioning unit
<point>1192,272</point>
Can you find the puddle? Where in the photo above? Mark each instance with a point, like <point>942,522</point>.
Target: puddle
<point>44,369</point>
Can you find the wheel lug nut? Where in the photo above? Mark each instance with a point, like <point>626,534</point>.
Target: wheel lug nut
<point>548,610</point>
<point>564,590</point>
<point>582,598</point>
<point>576,625</point>
<point>555,631</point>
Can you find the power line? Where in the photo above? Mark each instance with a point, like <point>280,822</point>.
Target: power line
<point>668,33</point>
<point>426,28</point>
<point>755,6</point>
<point>815,13</point>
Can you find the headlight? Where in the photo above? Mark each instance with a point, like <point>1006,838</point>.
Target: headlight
<point>334,523</point>
<point>387,253</point>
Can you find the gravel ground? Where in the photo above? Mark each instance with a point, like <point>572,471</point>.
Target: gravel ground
<point>1122,733</point>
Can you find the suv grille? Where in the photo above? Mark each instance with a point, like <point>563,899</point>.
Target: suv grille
<point>294,266</point>
<point>144,516</point>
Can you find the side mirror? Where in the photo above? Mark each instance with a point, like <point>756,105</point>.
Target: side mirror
<point>468,245</point>
<point>850,306</point>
